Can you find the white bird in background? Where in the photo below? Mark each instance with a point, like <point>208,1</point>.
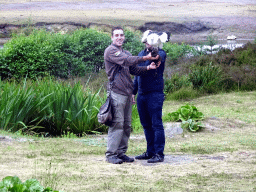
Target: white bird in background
<point>156,39</point>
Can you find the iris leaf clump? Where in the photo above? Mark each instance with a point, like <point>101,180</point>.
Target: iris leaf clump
<point>190,117</point>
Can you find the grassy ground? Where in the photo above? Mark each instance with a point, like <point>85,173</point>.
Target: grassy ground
<point>219,158</point>
<point>135,14</point>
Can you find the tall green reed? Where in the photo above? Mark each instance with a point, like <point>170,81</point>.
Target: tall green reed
<point>19,106</point>
<point>207,78</point>
<point>71,108</point>
<point>53,106</point>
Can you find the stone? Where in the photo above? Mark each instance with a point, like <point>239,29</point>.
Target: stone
<point>173,128</point>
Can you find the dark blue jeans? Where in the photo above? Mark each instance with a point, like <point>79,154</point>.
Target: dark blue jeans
<point>150,111</point>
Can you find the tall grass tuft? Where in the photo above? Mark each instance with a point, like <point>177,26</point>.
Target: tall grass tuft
<point>184,93</point>
<point>136,125</point>
<point>49,106</point>
<point>71,108</point>
<point>207,78</point>
<point>19,106</point>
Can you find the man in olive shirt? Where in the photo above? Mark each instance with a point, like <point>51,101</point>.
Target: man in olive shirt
<point>119,64</point>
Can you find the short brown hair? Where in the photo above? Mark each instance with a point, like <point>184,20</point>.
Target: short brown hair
<point>116,28</point>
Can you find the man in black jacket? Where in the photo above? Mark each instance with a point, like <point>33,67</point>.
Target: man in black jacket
<point>150,100</point>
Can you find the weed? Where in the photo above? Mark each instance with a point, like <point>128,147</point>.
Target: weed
<point>184,93</point>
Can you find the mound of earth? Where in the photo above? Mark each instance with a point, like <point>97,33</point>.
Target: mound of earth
<point>171,27</point>
<point>175,28</point>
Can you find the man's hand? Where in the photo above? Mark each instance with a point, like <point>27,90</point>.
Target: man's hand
<point>153,65</point>
<point>133,100</point>
<point>149,57</point>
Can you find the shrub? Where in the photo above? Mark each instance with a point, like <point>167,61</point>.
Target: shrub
<point>42,53</point>
<point>22,56</point>
<point>174,51</point>
<point>88,46</point>
<point>133,42</point>
<point>206,78</point>
<point>62,55</point>
<point>224,71</point>
<point>184,93</point>
<point>10,183</point>
<point>211,41</point>
<point>247,56</point>
<point>175,83</point>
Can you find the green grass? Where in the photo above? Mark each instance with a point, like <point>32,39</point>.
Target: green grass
<point>71,164</point>
<point>49,107</point>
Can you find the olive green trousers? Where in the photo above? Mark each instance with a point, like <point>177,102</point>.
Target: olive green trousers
<point>120,130</point>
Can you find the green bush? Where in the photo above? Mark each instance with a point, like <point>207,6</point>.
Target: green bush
<point>22,56</point>
<point>176,82</point>
<point>62,55</point>
<point>229,71</point>
<point>43,53</point>
<point>133,42</point>
<point>184,93</point>
<point>246,55</point>
<point>14,184</point>
<point>174,51</point>
<point>207,79</point>
<point>87,46</point>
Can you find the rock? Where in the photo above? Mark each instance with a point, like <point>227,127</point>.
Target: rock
<point>5,139</point>
<point>173,128</point>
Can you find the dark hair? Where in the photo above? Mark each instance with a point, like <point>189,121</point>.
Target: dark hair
<point>116,28</point>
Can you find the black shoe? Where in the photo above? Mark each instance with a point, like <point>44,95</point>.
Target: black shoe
<point>156,159</point>
<point>127,159</point>
<point>114,160</point>
<point>143,156</point>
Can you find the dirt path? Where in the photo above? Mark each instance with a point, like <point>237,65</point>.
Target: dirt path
<point>227,17</point>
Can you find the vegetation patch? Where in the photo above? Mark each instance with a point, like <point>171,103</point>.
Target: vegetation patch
<point>189,115</point>
<point>10,183</point>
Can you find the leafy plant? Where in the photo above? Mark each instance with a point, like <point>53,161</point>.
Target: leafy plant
<point>175,51</point>
<point>133,42</point>
<point>211,41</point>
<point>18,106</point>
<point>175,83</point>
<point>63,55</point>
<point>184,93</point>
<point>49,106</point>
<point>13,183</point>
<point>136,125</point>
<point>191,125</point>
<point>189,115</point>
<point>206,78</point>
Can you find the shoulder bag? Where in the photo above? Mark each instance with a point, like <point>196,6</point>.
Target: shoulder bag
<point>105,115</point>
